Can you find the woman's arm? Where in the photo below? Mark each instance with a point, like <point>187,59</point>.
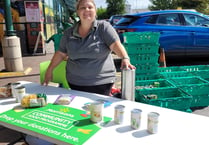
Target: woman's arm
<point>56,59</point>
<point>120,51</point>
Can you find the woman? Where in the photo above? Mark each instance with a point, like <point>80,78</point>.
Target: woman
<point>88,45</point>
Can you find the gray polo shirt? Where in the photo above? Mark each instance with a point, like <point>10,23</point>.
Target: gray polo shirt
<point>90,61</point>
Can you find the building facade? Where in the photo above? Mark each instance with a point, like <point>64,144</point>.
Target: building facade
<point>35,20</point>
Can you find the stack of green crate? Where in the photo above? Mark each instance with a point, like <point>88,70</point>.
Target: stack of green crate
<point>198,70</point>
<point>199,91</point>
<point>184,88</point>
<point>142,48</point>
<point>201,71</point>
<point>170,87</point>
<point>173,72</point>
<point>163,93</point>
<point>167,97</point>
<point>193,80</point>
<point>196,87</point>
<point>184,71</point>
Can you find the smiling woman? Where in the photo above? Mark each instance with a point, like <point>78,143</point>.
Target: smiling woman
<point>86,11</point>
<point>89,45</point>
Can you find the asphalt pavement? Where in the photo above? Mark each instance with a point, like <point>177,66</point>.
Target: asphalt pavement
<point>33,61</point>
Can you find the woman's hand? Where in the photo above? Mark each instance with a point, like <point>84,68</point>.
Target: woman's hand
<point>57,58</point>
<point>48,77</point>
<point>125,64</point>
<point>120,51</point>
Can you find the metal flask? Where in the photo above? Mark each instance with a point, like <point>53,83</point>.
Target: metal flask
<point>128,84</point>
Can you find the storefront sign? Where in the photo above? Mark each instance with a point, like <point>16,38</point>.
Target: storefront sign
<point>33,11</point>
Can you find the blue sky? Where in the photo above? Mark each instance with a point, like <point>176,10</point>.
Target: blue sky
<point>135,4</point>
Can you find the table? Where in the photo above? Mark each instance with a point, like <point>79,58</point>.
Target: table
<point>175,127</point>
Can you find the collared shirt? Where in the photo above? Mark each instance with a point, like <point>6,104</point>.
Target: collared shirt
<point>90,61</point>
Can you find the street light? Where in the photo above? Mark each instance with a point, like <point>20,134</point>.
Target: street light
<point>8,20</point>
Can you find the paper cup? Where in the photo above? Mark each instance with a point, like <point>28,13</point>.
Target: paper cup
<point>13,86</point>
<point>20,93</point>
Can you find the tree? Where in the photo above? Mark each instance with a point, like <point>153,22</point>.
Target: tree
<point>101,13</point>
<point>199,5</point>
<point>115,7</point>
<point>163,4</point>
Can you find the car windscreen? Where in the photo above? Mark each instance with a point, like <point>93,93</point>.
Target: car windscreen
<point>195,20</point>
<point>126,20</point>
<point>114,19</point>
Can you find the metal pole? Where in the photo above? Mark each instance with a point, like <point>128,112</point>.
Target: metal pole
<point>11,43</point>
<point>8,20</point>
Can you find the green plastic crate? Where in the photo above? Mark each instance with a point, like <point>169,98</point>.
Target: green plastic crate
<point>172,98</point>
<point>194,68</point>
<point>144,58</point>
<point>146,68</point>
<point>168,75</point>
<point>199,93</point>
<point>187,81</point>
<point>135,48</point>
<point>153,84</point>
<point>170,69</point>
<point>207,79</point>
<point>146,76</point>
<point>141,37</point>
<point>202,73</point>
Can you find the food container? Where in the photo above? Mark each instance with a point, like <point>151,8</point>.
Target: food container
<point>136,118</point>
<point>5,91</point>
<point>96,111</point>
<point>34,100</point>
<point>64,99</point>
<point>152,122</point>
<point>119,114</point>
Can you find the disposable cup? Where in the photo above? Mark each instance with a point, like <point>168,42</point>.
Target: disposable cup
<point>20,93</point>
<point>13,86</point>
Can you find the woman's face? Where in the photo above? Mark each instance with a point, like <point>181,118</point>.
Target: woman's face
<point>87,11</point>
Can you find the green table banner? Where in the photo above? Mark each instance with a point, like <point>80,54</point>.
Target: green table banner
<point>56,121</point>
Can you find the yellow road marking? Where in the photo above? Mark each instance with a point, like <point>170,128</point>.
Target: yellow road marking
<point>11,74</point>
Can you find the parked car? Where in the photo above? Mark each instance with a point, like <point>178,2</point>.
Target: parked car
<point>114,19</point>
<point>182,33</point>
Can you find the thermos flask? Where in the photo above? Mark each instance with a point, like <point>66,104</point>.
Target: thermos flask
<point>128,84</point>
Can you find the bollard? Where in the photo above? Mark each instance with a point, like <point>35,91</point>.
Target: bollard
<point>162,60</point>
<point>128,84</point>
<point>12,53</point>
